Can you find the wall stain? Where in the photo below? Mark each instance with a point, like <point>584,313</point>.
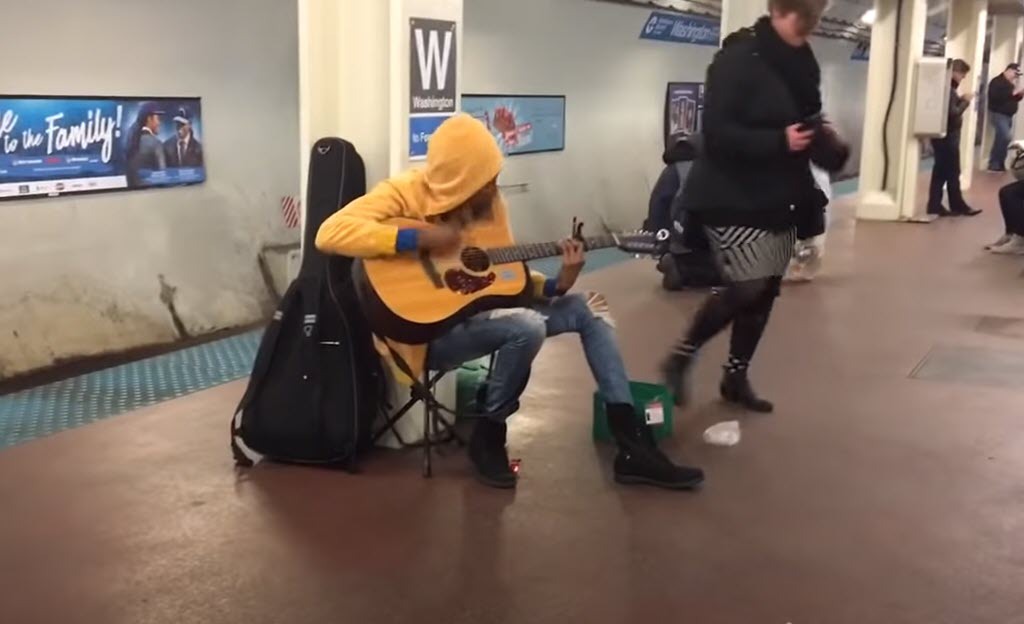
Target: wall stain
<point>167,293</point>
<point>113,313</point>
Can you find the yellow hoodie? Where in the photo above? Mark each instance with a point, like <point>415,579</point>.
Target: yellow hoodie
<point>462,157</point>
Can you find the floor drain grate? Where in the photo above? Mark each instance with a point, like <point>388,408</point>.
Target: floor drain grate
<point>1004,326</point>
<point>972,365</point>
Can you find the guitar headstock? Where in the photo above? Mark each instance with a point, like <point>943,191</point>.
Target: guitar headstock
<point>643,243</point>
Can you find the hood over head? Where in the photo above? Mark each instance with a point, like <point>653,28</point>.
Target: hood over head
<point>462,157</point>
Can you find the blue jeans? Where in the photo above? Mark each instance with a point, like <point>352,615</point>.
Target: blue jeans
<point>1003,126</point>
<point>517,338</point>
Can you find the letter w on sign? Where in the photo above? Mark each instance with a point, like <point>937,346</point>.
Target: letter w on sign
<point>433,47</point>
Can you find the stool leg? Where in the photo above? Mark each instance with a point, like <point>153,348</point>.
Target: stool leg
<point>428,470</point>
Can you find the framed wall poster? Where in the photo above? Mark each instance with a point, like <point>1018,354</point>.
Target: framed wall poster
<point>521,124</point>
<point>57,145</point>
<point>684,107</point>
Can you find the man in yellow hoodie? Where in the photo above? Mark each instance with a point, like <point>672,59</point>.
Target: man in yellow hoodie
<point>457,188</point>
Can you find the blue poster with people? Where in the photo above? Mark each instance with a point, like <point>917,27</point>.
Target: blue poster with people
<point>56,145</point>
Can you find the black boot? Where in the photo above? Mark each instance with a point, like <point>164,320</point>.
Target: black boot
<point>489,456</point>
<point>639,461</point>
<point>736,389</point>
<point>964,210</point>
<point>675,373</point>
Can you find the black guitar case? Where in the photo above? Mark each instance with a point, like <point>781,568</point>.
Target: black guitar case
<point>317,384</point>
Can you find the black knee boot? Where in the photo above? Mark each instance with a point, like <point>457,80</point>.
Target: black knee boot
<point>747,329</point>
<point>736,388</point>
<point>489,456</point>
<point>639,461</point>
<point>720,309</point>
<point>675,374</point>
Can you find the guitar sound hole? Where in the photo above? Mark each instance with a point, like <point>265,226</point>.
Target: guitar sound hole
<point>465,283</point>
<point>475,259</point>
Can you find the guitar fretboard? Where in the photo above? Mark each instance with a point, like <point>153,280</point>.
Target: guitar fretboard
<point>534,251</point>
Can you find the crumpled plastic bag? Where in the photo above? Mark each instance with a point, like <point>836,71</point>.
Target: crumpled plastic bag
<point>723,434</point>
<point>806,260</point>
<point>807,256</point>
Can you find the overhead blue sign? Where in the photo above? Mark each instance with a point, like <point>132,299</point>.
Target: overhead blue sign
<point>677,28</point>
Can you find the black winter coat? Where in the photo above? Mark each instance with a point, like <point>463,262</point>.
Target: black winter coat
<point>1001,96</point>
<point>677,159</point>
<point>746,174</point>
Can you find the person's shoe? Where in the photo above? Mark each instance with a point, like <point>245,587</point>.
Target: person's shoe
<point>639,462</point>
<point>1014,246</point>
<point>1005,238</point>
<point>675,373</point>
<point>941,211</point>
<point>965,211</point>
<point>992,169</point>
<point>736,389</point>
<point>489,456</point>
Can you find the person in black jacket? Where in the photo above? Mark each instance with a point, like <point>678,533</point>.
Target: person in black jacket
<point>677,158</point>
<point>946,168</point>
<point>681,266</point>
<point>751,189</point>
<point>1003,100</point>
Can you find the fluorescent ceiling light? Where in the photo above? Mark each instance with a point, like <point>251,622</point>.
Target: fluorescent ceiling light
<point>868,17</point>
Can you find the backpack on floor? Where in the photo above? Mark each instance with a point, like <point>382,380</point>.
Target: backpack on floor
<point>317,384</point>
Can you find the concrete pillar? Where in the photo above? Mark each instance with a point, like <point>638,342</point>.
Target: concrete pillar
<point>737,14</point>
<point>968,22</point>
<point>354,76</point>
<point>890,193</point>
<point>1006,41</point>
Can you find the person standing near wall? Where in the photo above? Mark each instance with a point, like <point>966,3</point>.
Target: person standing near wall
<point>751,190</point>
<point>1003,100</point>
<point>946,168</point>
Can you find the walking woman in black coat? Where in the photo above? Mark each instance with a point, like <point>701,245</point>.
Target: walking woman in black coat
<point>751,192</point>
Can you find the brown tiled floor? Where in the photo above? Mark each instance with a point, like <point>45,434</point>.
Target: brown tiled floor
<point>869,497</point>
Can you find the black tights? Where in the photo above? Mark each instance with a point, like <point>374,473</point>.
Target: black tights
<point>747,305</point>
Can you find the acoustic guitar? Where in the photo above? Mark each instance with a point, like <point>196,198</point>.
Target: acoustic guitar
<point>414,298</point>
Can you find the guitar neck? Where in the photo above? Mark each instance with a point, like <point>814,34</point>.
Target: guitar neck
<point>535,251</point>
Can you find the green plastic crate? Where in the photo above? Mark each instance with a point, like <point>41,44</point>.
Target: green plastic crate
<point>644,394</point>
<point>469,377</point>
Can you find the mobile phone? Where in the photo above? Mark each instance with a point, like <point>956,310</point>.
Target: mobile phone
<point>811,123</point>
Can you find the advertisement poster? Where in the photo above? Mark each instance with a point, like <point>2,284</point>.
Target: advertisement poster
<point>56,145</point>
<point>684,106</point>
<point>521,124</point>
<point>433,48</point>
<point>678,28</point>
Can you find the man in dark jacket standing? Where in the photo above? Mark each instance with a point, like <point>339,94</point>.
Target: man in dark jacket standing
<point>1003,99</point>
<point>946,169</point>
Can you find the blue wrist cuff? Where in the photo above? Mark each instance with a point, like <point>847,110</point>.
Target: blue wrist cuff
<point>408,239</point>
<point>551,288</point>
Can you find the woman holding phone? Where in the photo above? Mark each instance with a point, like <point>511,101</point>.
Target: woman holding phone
<point>751,191</point>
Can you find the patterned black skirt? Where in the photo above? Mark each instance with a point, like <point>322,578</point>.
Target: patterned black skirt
<point>745,253</point>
